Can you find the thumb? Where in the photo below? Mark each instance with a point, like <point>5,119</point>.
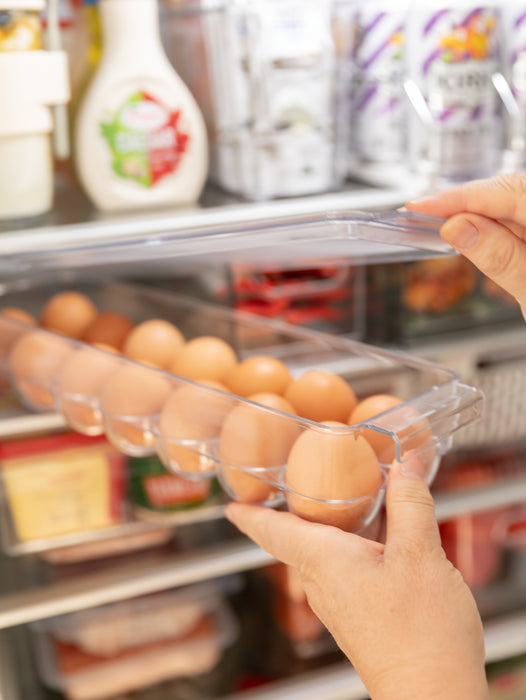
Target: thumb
<point>492,247</point>
<point>411,521</point>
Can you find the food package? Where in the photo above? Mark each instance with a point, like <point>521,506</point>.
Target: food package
<point>116,627</point>
<point>82,676</point>
<point>468,539</point>
<point>109,546</point>
<point>61,484</point>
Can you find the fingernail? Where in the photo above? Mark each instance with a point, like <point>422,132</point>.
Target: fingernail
<point>422,200</point>
<point>460,234</point>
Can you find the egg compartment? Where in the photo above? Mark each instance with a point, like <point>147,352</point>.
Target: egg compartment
<point>128,398</point>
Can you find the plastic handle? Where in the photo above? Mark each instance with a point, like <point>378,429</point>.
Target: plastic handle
<point>461,410</point>
<point>408,228</point>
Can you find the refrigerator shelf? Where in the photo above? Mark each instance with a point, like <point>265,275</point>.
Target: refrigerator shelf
<point>164,571</point>
<point>505,637</point>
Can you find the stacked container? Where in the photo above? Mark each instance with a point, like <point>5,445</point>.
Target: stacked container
<point>32,81</point>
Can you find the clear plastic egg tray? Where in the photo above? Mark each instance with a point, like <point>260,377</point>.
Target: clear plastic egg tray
<point>434,403</point>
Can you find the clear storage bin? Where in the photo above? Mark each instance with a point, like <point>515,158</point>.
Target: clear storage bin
<point>243,441</point>
<point>81,676</point>
<point>114,628</point>
<point>263,74</point>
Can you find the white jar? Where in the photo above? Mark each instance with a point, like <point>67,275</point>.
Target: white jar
<point>31,82</point>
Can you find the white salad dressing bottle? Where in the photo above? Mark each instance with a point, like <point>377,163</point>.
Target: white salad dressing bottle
<point>140,139</point>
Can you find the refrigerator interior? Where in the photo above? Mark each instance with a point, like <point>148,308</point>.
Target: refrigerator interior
<point>119,577</point>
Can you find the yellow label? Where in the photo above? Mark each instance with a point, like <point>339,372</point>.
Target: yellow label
<point>64,492</point>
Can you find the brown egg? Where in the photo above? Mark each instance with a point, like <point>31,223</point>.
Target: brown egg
<point>155,341</point>
<point>130,399</point>
<point>192,413</point>
<point>69,313</point>
<point>329,465</point>
<point>79,386</point>
<point>205,357</point>
<point>34,362</point>
<point>9,334</point>
<point>257,374</point>
<point>109,328</point>
<point>254,438</point>
<point>321,396</point>
<point>372,406</point>
<point>19,315</point>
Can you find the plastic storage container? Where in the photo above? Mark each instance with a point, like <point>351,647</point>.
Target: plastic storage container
<point>114,628</point>
<point>415,301</point>
<point>203,431</point>
<point>263,75</point>
<point>62,484</point>
<point>82,676</point>
<point>33,80</point>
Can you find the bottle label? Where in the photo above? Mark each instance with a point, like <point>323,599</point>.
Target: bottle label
<point>380,116</point>
<point>459,54</point>
<point>145,139</point>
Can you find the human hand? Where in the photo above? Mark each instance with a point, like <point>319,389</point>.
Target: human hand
<point>487,224</point>
<point>399,611</point>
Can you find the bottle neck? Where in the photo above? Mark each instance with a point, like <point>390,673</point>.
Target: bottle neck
<point>130,27</point>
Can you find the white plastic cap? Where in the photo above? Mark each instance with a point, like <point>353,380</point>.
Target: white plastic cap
<point>31,82</point>
<point>36,5</point>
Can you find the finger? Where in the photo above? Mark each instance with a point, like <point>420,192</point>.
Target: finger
<point>287,537</point>
<point>493,248</point>
<point>411,521</point>
<point>501,197</point>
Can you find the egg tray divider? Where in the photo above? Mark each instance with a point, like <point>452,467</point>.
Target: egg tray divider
<point>439,407</point>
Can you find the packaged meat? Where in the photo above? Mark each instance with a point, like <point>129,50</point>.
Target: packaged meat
<point>116,627</point>
<point>81,676</point>
<point>468,539</point>
<point>152,487</point>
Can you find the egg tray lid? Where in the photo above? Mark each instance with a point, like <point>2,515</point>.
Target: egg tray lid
<point>219,237</point>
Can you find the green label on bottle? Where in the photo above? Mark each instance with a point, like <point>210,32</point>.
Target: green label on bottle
<point>145,139</point>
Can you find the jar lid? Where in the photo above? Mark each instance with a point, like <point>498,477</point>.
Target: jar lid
<point>37,5</point>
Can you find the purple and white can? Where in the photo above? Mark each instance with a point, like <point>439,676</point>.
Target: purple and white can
<point>379,105</point>
<point>453,54</point>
